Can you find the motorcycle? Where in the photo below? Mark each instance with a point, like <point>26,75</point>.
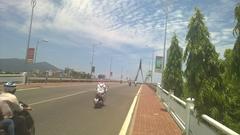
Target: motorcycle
<point>25,113</point>
<point>135,83</point>
<point>98,100</point>
<point>129,84</point>
<point>100,97</point>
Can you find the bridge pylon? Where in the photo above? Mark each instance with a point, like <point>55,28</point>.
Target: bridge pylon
<point>139,69</point>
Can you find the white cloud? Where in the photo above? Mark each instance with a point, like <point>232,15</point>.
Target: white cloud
<point>92,19</point>
<point>222,37</point>
<point>71,17</point>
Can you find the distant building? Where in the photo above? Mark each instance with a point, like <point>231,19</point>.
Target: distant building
<point>37,71</point>
<point>58,74</point>
<point>50,73</point>
<point>68,72</point>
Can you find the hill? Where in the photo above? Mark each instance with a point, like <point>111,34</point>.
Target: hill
<point>19,65</point>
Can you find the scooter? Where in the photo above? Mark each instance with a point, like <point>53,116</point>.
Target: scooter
<point>29,118</point>
<point>129,84</point>
<point>135,84</point>
<point>25,113</point>
<point>100,96</point>
<point>98,100</point>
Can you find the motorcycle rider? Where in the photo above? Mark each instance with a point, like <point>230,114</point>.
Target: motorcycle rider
<point>129,82</point>
<point>101,89</point>
<point>8,95</point>
<point>135,83</point>
<point>5,121</point>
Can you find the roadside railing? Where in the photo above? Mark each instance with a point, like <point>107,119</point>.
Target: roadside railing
<point>185,116</point>
<point>23,79</point>
<point>18,78</point>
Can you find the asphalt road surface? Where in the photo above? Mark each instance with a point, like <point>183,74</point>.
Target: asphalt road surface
<point>69,110</point>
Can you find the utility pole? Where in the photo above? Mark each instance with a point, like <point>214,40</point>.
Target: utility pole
<point>33,3</point>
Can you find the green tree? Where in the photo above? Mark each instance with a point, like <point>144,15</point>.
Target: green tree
<point>227,63</point>
<point>232,78</point>
<point>232,110</point>
<point>172,78</point>
<point>202,73</point>
<point>236,48</point>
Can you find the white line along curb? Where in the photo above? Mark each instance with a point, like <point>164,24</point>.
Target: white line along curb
<point>127,121</point>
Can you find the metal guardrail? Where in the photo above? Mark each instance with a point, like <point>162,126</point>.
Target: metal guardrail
<point>185,116</point>
<point>218,125</point>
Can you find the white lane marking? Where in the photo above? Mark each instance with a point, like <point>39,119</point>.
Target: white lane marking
<point>57,98</point>
<point>66,86</point>
<point>44,87</point>
<point>127,121</point>
<point>19,90</point>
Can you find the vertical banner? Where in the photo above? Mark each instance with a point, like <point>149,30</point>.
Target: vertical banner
<point>30,55</point>
<point>158,64</point>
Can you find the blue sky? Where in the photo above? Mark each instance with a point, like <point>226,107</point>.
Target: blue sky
<point>124,30</point>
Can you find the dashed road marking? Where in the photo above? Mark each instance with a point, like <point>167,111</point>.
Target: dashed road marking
<point>57,98</point>
<point>19,90</point>
<point>44,87</point>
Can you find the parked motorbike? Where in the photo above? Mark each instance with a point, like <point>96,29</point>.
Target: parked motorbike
<point>25,113</point>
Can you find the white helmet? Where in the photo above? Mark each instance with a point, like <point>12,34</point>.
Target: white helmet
<point>101,85</point>
<point>10,87</point>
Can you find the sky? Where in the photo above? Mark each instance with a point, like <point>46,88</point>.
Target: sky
<point>122,30</point>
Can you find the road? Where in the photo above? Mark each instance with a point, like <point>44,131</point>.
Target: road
<point>69,110</point>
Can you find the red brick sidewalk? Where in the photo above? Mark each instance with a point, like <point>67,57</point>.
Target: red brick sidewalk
<point>151,118</point>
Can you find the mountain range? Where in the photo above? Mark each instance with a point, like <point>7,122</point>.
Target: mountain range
<point>19,65</point>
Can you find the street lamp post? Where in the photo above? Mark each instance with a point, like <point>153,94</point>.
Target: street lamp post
<point>152,66</point>
<point>165,40</point>
<point>93,46</point>
<point>165,37</point>
<point>39,41</point>
<point>93,51</point>
<point>153,50</point>
<point>121,74</point>
<point>33,3</point>
<point>110,69</point>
